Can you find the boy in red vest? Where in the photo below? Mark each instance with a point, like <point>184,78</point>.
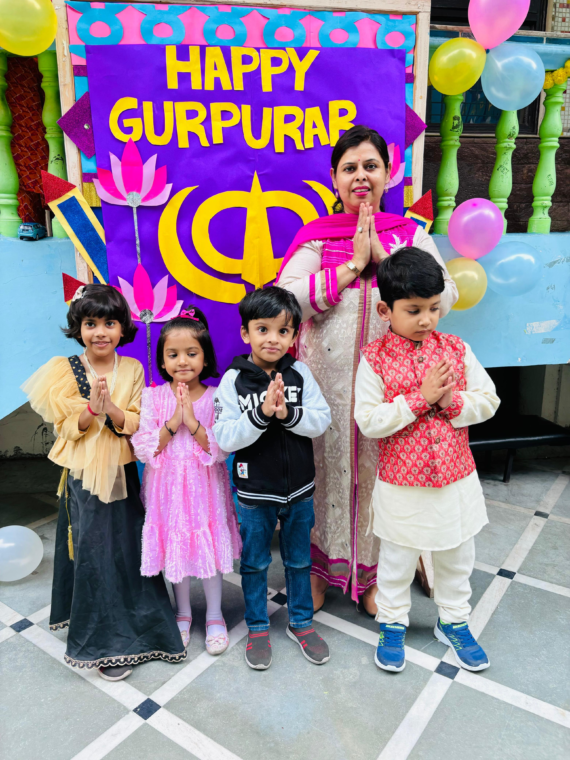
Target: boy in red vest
<point>417,391</point>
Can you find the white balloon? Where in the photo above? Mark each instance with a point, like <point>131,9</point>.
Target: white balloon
<point>21,551</point>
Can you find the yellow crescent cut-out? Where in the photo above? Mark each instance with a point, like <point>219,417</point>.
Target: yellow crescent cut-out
<point>181,268</point>
<point>326,195</point>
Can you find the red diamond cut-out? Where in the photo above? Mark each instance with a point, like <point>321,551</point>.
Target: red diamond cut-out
<point>55,187</point>
<point>70,285</point>
<point>423,207</point>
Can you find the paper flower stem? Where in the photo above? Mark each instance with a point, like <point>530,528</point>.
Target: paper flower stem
<point>137,235</point>
<point>149,353</point>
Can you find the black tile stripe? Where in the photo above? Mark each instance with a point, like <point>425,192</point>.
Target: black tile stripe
<point>279,598</point>
<point>541,514</point>
<point>447,670</point>
<point>147,709</point>
<point>21,625</point>
<point>506,573</point>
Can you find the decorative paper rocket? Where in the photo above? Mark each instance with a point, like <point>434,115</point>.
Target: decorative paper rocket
<point>414,126</point>
<point>79,221</point>
<point>70,285</point>
<point>422,211</point>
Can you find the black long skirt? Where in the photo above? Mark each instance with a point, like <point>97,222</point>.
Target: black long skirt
<point>115,616</point>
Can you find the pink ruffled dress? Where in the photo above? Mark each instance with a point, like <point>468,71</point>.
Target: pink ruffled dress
<point>191,526</point>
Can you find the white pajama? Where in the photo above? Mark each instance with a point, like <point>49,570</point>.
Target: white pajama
<point>396,569</point>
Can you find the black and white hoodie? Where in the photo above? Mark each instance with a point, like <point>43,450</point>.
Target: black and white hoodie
<point>274,458</point>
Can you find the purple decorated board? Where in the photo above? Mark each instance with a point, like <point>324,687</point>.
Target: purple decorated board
<point>219,155</point>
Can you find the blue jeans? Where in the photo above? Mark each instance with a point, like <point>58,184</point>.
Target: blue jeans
<point>257,526</point>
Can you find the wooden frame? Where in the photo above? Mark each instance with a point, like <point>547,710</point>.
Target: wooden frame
<point>421,8</point>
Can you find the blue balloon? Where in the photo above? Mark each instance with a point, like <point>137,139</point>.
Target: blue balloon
<point>513,76</point>
<point>512,268</point>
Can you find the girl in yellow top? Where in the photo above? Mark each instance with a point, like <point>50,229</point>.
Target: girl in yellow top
<point>116,618</point>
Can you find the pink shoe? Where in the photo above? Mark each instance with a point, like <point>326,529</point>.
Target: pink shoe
<point>217,644</point>
<point>185,635</point>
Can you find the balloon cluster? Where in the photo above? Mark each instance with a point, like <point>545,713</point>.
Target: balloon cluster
<point>509,268</point>
<point>27,27</point>
<point>512,75</point>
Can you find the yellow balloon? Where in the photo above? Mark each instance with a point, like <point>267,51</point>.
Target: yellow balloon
<point>456,65</point>
<point>27,27</point>
<point>471,281</point>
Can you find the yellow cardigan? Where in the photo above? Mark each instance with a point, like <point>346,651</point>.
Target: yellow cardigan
<point>96,456</point>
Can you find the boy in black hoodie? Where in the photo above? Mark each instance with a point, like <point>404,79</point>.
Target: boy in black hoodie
<point>268,407</point>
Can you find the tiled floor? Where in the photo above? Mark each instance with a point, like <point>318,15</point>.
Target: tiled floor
<point>219,709</point>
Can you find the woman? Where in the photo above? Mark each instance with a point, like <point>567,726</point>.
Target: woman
<point>330,267</point>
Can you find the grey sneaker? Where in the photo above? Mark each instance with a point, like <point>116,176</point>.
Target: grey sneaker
<point>314,648</point>
<point>117,673</point>
<point>258,650</point>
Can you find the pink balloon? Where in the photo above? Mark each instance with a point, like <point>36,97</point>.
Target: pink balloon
<point>475,228</point>
<point>492,23</point>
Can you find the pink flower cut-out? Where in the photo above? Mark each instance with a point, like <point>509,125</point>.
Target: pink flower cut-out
<point>398,166</point>
<point>148,304</point>
<point>132,183</point>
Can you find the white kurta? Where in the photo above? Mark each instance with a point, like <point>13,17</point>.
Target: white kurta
<point>430,519</point>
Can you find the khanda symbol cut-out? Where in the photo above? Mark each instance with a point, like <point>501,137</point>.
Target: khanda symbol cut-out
<point>258,266</point>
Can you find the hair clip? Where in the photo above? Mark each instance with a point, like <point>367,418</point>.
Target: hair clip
<point>79,294</point>
<point>188,314</point>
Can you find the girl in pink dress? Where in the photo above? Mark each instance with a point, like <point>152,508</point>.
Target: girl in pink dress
<point>191,526</point>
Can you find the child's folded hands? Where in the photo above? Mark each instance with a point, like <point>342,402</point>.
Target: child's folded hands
<point>438,382</point>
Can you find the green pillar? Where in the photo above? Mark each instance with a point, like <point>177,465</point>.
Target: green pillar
<point>47,64</point>
<point>447,183</point>
<point>9,183</point>
<point>501,182</point>
<point>544,183</point>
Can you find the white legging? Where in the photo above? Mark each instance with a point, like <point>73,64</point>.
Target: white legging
<point>212,590</point>
<point>452,591</point>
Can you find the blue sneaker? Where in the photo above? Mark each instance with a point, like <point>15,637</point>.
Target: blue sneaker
<point>468,653</point>
<point>390,652</point>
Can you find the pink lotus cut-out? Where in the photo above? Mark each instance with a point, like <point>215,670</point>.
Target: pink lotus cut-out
<point>148,304</point>
<point>398,166</point>
<point>132,183</point>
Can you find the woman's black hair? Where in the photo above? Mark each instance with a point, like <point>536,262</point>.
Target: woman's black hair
<point>409,273</point>
<point>352,138</point>
<point>102,302</point>
<point>199,328</point>
<point>268,303</point>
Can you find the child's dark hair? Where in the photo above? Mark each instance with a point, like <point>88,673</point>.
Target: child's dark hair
<point>102,302</point>
<point>199,327</point>
<point>409,273</point>
<point>267,303</point>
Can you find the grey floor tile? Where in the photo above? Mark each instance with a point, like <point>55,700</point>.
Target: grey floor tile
<point>36,475</point>
<point>549,558</point>
<point>47,710</point>
<point>23,509</point>
<point>526,489</point>
<point>562,506</point>
<point>296,710</point>
<point>148,744</point>
<point>33,592</point>
<point>473,726</point>
<point>526,640</point>
<point>494,543</point>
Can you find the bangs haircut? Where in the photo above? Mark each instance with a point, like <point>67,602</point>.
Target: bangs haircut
<point>201,332</point>
<point>100,302</point>
<point>268,303</point>
<point>409,273</point>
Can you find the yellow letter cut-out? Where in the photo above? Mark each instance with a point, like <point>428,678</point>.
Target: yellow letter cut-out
<point>148,114</point>
<point>135,124</point>
<point>263,141</point>
<point>218,124</point>
<point>268,71</point>
<point>338,122</point>
<point>301,67</point>
<point>315,127</point>
<point>281,128</point>
<point>239,68</point>
<point>184,125</point>
<point>216,68</point>
<point>191,66</point>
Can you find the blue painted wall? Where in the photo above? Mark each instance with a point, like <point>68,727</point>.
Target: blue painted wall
<point>529,329</point>
<point>533,328</point>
